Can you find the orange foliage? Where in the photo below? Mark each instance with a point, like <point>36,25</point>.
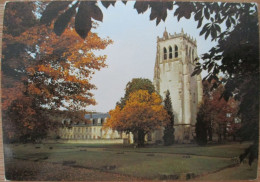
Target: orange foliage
<point>65,63</point>
<point>143,111</point>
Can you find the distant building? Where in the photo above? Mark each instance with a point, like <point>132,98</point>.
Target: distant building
<point>91,129</point>
<point>175,62</point>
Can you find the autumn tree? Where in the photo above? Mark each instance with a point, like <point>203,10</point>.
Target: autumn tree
<point>40,69</point>
<point>216,115</point>
<point>142,113</point>
<point>168,136</point>
<point>134,85</point>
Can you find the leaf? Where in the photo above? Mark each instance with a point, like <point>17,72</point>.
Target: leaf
<point>124,2</point>
<point>198,15</point>
<point>204,29</point>
<point>64,19</point>
<point>207,34</point>
<point>228,24</point>
<point>93,10</point>
<point>206,13</point>
<point>199,23</point>
<point>52,10</point>
<point>106,4</point>
<point>196,71</point>
<point>210,66</point>
<point>218,57</point>
<point>154,14</point>
<point>213,32</point>
<point>141,6</point>
<point>217,27</point>
<point>83,23</point>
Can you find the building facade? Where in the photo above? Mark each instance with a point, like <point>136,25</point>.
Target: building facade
<point>175,62</point>
<point>90,129</point>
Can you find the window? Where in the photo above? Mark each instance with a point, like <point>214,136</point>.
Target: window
<point>186,50</point>
<point>164,53</point>
<point>192,54</point>
<point>170,52</point>
<point>176,51</point>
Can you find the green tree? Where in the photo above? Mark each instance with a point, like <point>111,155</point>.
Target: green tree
<point>134,85</point>
<point>201,126</point>
<point>168,136</point>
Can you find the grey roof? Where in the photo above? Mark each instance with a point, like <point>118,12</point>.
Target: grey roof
<point>97,115</point>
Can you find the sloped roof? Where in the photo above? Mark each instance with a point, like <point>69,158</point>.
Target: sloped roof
<point>97,115</point>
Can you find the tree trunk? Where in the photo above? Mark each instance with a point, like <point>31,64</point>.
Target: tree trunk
<point>140,138</point>
<point>210,133</point>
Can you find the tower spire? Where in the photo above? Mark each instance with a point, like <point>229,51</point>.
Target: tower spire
<point>165,34</point>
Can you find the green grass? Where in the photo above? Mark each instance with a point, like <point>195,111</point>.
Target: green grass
<point>146,163</point>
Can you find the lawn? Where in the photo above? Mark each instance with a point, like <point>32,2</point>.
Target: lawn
<point>152,162</point>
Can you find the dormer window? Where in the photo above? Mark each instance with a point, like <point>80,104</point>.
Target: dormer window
<point>176,51</point>
<point>164,53</point>
<point>170,52</point>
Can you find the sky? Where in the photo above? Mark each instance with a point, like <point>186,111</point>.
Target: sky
<point>132,55</point>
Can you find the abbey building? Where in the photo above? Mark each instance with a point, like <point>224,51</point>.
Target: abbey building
<point>175,62</point>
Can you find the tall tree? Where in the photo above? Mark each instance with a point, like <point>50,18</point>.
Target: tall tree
<point>40,69</point>
<point>168,136</point>
<point>142,113</point>
<point>201,126</point>
<point>134,85</point>
<point>216,116</point>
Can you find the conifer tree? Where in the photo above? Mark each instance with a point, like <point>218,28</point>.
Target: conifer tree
<point>201,127</point>
<point>169,130</point>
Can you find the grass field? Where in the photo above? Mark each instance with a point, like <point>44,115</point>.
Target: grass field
<point>120,162</point>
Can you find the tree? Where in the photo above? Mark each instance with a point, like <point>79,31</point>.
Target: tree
<point>134,85</point>
<point>201,126</point>
<point>142,113</point>
<point>41,70</point>
<point>168,136</point>
<point>216,115</point>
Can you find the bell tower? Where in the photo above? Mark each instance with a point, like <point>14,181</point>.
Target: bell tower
<point>175,62</point>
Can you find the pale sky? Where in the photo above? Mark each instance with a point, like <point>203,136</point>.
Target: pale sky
<point>132,55</point>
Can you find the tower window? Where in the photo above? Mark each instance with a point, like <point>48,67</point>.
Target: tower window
<point>164,53</point>
<point>192,54</point>
<point>170,52</point>
<point>176,51</point>
<point>186,50</point>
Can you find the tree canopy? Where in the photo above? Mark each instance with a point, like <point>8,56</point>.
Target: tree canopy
<point>134,85</point>
<point>41,70</point>
<point>142,113</point>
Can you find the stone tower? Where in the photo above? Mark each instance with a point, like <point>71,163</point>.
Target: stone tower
<point>172,71</point>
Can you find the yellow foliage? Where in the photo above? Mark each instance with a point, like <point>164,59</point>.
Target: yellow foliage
<point>142,111</point>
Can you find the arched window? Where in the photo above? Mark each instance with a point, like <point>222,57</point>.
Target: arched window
<point>192,54</point>
<point>186,50</point>
<point>164,53</point>
<point>176,51</point>
<point>170,52</point>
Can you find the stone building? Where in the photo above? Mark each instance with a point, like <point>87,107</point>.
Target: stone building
<point>175,62</point>
<point>90,129</point>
